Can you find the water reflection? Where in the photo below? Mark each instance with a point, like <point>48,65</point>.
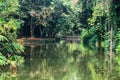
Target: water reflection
<point>64,61</point>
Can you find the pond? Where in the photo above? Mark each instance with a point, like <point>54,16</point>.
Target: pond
<point>64,61</point>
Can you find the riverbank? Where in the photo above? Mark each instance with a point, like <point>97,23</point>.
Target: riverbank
<point>30,41</point>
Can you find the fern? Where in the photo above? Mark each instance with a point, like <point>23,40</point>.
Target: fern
<point>18,47</point>
<point>3,38</point>
<point>3,60</point>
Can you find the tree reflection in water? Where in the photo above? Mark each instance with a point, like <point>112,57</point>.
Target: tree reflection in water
<point>65,61</point>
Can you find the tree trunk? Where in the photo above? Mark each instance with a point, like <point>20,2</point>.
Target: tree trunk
<point>31,31</point>
<point>111,43</point>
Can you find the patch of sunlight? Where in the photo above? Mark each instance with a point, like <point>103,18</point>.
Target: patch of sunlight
<point>103,44</point>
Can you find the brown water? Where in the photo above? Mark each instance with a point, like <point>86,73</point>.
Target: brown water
<point>64,61</point>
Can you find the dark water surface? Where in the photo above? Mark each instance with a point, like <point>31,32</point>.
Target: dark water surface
<point>64,61</point>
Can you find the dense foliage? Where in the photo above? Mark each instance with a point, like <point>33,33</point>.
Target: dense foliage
<point>96,21</point>
<point>9,24</point>
<point>49,18</point>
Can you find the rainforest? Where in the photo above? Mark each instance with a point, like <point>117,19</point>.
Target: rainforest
<point>59,39</point>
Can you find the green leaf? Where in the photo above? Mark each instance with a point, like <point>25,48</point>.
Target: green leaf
<point>3,38</point>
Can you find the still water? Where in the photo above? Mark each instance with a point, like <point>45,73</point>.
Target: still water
<point>64,61</point>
